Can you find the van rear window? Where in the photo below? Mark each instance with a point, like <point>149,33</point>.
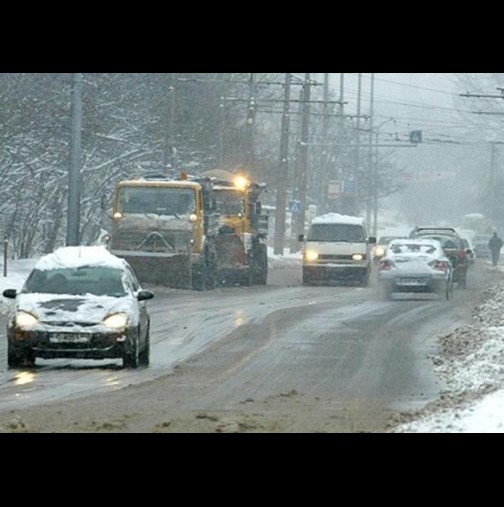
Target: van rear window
<point>349,233</point>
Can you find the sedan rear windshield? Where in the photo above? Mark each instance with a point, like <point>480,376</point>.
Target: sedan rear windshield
<point>96,280</point>
<point>349,233</point>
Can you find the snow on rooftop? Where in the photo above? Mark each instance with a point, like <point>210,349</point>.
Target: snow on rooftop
<point>76,256</point>
<point>332,218</point>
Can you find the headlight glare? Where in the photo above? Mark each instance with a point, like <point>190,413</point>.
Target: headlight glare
<point>311,255</point>
<point>116,321</point>
<point>25,320</point>
<point>357,257</point>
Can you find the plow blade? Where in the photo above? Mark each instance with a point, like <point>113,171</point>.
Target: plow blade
<point>168,270</point>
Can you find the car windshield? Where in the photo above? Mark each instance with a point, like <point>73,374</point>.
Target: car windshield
<point>96,280</point>
<point>229,202</point>
<point>336,232</point>
<point>157,200</point>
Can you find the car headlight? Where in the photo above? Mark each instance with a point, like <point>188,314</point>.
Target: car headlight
<point>379,251</point>
<point>311,255</point>
<point>25,320</point>
<point>116,321</point>
<point>357,257</point>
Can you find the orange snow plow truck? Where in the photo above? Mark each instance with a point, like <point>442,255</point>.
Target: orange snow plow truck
<point>167,229</point>
<point>241,250</point>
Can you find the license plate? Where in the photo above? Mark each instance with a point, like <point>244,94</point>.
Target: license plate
<point>411,281</point>
<point>69,338</point>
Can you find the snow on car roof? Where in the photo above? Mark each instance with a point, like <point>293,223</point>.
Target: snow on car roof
<point>336,218</point>
<point>77,256</point>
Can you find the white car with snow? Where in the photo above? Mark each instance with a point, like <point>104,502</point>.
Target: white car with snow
<point>415,266</point>
<point>337,248</point>
<point>79,302</point>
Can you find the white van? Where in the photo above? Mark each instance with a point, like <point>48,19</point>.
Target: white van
<point>337,247</point>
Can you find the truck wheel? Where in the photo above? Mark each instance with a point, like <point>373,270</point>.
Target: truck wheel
<point>261,274</point>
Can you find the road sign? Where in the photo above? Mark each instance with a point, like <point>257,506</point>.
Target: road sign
<point>334,189</point>
<point>295,207</point>
<point>348,186</point>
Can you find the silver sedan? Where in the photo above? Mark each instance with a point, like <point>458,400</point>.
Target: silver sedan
<point>415,266</point>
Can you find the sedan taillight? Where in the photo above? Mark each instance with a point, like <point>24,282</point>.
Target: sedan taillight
<point>385,265</point>
<point>441,265</point>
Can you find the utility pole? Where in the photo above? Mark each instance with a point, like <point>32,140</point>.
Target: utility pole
<point>251,112</point>
<point>222,119</point>
<point>324,169</point>
<point>357,148</point>
<point>339,174</point>
<point>281,198</point>
<point>372,180</point>
<point>303,160</point>
<point>169,154</point>
<point>74,178</point>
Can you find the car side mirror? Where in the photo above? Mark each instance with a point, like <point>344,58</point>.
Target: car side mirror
<point>10,293</point>
<point>144,295</point>
<point>372,240</point>
<point>301,237</point>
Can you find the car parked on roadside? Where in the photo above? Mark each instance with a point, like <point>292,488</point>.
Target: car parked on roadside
<point>469,249</point>
<point>415,266</point>
<point>79,302</point>
<point>480,244</point>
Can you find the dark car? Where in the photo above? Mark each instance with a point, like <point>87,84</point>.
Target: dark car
<point>455,251</point>
<point>79,302</point>
<point>471,253</point>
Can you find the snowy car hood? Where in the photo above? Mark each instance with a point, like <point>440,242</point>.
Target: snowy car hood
<point>87,309</point>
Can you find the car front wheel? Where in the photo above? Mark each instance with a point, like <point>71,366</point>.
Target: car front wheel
<point>131,358</point>
<point>144,356</point>
<point>18,358</point>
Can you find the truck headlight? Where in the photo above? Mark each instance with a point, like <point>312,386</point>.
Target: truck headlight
<point>311,255</point>
<point>25,320</point>
<point>357,257</point>
<point>116,321</point>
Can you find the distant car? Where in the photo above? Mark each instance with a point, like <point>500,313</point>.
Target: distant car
<point>480,244</point>
<point>469,249</point>
<point>429,230</point>
<point>415,266</point>
<point>453,248</point>
<point>79,302</point>
<point>379,250</point>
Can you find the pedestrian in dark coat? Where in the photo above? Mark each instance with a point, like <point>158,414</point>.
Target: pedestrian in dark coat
<point>495,245</point>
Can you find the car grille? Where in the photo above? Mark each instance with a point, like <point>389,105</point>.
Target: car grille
<point>326,257</point>
<point>159,241</point>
